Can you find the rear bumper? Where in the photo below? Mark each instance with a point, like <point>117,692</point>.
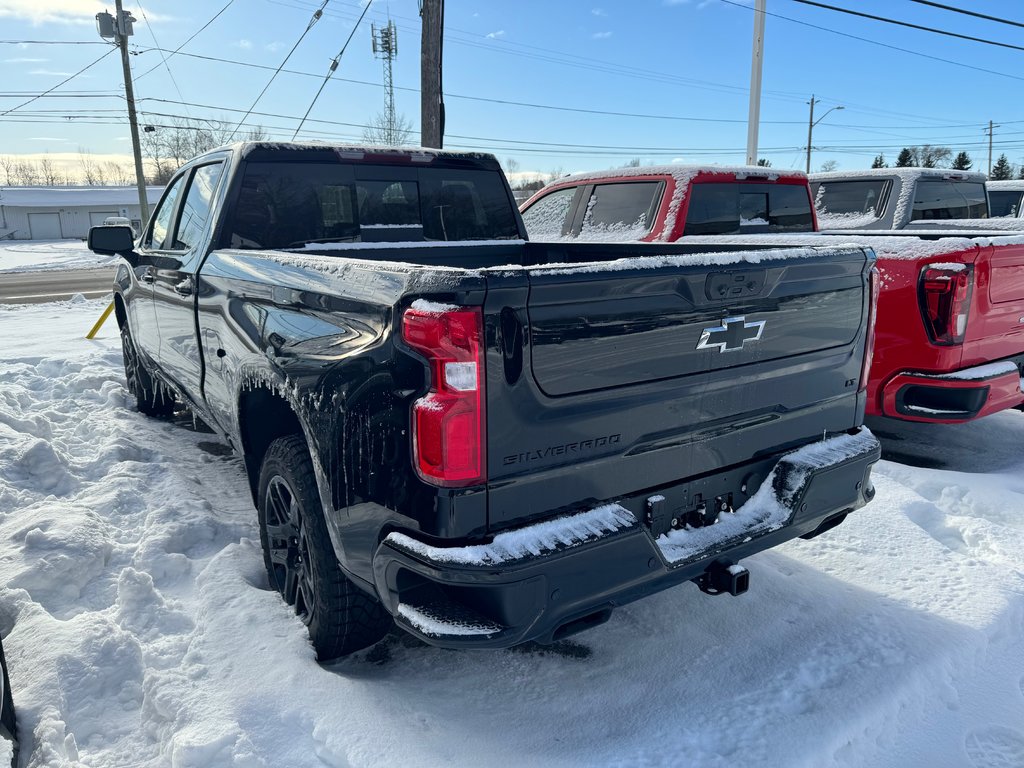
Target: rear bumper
<point>954,397</point>
<point>551,579</point>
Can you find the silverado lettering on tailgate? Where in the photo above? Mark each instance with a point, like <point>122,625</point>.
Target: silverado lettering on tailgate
<point>566,449</point>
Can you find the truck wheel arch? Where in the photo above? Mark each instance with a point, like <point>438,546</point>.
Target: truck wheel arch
<point>120,314</point>
<point>263,417</point>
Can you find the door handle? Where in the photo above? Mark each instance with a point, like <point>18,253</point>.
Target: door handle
<point>147,276</point>
<point>184,288</point>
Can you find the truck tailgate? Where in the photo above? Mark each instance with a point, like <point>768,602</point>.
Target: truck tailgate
<point>642,372</point>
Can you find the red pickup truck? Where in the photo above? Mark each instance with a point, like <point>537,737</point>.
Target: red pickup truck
<point>950,320</point>
<point>664,203</point>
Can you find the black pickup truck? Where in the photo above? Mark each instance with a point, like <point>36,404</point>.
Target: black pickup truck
<point>483,439</point>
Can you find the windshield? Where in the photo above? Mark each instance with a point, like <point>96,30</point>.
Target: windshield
<point>286,205</point>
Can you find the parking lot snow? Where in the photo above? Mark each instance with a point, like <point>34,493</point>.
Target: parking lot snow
<point>140,630</point>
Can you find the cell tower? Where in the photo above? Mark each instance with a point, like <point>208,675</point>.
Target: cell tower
<point>385,46</point>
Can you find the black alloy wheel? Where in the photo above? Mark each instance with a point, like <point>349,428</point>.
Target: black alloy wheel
<point>288,547</point>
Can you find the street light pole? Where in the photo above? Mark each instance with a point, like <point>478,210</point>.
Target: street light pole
<point>757,55</point>
<point>811,122</point>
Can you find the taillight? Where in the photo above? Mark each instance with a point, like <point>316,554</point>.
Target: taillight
<point>448,423</point>
<point>944,292</point>
<point>869,340</point>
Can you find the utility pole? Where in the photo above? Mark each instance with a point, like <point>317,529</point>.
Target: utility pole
<point>431,93</point>
<point>988,171</point>
<point>120,28</point>
<point>385,46</point>
<point>811,122</point>
<point>754,116</point>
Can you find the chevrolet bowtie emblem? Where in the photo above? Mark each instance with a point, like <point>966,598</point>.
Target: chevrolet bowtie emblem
<point>732,334</point>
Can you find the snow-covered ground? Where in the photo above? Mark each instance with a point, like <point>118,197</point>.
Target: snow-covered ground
<point>39,255</point>
<point>140,631</point>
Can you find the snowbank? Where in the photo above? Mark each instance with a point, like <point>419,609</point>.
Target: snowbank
<point>140,631</point>
<point>39,255</point>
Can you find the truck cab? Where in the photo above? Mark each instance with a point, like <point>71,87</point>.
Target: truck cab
<point>896,198</point>
<point>663,203</point>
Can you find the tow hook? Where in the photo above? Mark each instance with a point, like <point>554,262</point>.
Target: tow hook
<point>723,576</point>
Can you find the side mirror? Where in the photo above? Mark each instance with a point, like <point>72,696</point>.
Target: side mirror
<point>110,241</point>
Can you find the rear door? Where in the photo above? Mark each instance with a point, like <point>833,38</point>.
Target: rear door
<point>618,379</point>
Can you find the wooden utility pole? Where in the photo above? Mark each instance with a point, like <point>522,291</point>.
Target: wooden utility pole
<point>431,93</point>
<point>121,24</point>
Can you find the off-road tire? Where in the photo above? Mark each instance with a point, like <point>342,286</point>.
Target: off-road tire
<point>300,561</point>
<point>151,396</point>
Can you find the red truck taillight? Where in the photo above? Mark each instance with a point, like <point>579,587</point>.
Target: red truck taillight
<point>448,423</point>
<point>869,340</point>
<point>944,292</point>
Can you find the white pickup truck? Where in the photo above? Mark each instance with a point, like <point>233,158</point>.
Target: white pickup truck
<point>898,198</point>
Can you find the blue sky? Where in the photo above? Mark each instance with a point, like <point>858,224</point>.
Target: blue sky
<point>681,68</point>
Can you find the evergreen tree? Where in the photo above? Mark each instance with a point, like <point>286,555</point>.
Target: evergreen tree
<point>962,162</point>
<point>764,162</point>
<point>879,162</point>
<point>906,158</point>
<point>1001,170</point>
<point>1021,174</point>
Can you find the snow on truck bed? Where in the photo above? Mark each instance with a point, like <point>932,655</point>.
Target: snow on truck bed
<point>140,631</point>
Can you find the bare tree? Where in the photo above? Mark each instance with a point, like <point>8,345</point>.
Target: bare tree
<point>48,171</point>
<point>8,165</point>
<point>829,165</point>
<point>167,148</point>
<point>119,174</point>
<point>92,175</point>
<point>379,132</point>
<point>26,174</point>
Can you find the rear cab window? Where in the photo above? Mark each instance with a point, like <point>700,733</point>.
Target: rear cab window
<point>949,199</point>
<point>291,204</point>
<point>732,208</point>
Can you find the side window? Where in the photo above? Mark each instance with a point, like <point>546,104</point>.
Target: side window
<point>196,210</point>
<point>161,220</point>
<point>545,219</point>
<point>621,211</point>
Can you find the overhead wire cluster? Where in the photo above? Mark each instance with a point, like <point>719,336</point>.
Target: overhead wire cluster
<point>933,127</point>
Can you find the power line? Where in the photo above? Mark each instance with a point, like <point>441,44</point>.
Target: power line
<point>52,42</point>
<point>876,42</point>
<point>315,18</point>
<point>909,25</point>
<point>62,82</point>
<point>969,13</point>
<point>152,34</point>
<point>189,40</point>
<point>332,68</point>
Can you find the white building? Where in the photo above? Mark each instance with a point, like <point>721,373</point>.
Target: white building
<point>54,213</point>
